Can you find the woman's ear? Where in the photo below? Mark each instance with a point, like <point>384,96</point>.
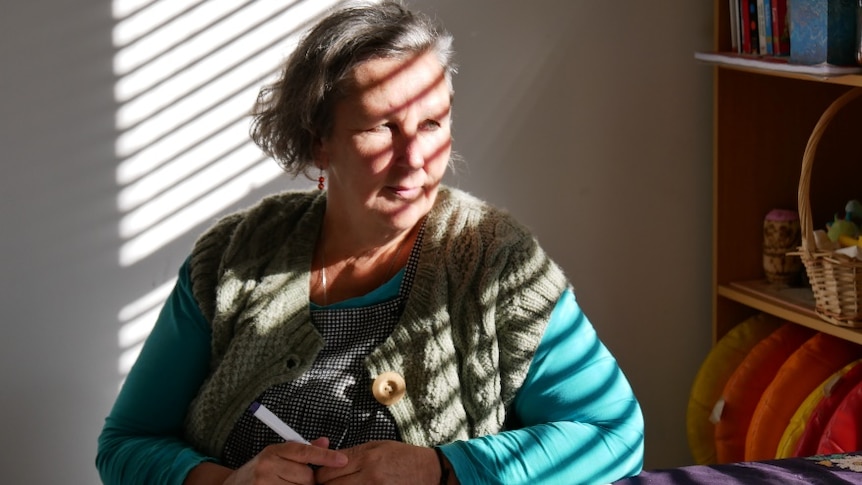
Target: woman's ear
<point>321,156</point>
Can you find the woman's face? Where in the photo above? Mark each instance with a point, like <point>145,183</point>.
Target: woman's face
<point>390,143</point>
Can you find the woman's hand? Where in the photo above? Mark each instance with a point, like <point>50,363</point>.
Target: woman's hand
<point>287,463</point>
<point>384,462</point>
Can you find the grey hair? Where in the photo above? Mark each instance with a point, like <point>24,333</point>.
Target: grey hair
<point>295,111</point>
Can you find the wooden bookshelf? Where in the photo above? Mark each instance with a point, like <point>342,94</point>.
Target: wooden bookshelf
<point>762,121</point>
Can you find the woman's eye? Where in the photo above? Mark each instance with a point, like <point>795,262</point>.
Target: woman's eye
<point>383,127</point>
<point>430,125</point>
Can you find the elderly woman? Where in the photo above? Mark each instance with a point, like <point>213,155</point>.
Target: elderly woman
<point>413,333</point>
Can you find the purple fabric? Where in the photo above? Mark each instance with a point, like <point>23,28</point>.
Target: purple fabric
<point>813,470</point>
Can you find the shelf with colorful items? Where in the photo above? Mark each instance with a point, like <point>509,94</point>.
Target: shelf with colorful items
<point>815,39</point>
<point>785,291</point>
<point>830,298</point>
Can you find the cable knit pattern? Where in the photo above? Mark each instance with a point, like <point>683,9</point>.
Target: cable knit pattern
<point>482,295</point>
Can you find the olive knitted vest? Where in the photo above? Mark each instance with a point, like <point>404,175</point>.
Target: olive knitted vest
<point>480,301</point>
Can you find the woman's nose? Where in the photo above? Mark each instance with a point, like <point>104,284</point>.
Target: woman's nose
<point>410,150</point>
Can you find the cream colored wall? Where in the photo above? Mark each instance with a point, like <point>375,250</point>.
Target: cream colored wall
<point>588,120</point>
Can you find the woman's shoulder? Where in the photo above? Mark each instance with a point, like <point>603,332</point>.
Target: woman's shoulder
<point>283,204</point>
<point>272,210</point>
<point>462,199</point>
<point>463,209</point>
<point>247,238</point>
<point>260,227</point>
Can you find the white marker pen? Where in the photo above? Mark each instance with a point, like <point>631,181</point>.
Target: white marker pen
<point>265,415</point>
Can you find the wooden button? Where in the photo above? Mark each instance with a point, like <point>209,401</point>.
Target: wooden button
<point>388,388</point>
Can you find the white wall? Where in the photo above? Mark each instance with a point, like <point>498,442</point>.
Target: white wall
<point>589,120</point>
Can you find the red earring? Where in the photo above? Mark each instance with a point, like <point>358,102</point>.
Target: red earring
<point>321,180</point>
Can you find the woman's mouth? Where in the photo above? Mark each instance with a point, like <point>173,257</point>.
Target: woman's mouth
<point>407,192</point>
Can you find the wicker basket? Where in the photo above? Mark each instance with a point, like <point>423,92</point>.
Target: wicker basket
<point>836,280</point>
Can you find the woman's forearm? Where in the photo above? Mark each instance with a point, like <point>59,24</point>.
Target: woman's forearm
<point>208,474</point>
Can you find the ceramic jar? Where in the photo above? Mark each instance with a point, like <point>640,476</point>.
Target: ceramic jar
<point>781,234</point>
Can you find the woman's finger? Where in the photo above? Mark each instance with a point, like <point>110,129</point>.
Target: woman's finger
<point>313,454</point>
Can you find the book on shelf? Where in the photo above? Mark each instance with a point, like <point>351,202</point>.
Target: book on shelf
<point>733,6</point>
<point>764,27</point>
<point>759,27</point>
<point>780,28</point>
<point>748,27</point>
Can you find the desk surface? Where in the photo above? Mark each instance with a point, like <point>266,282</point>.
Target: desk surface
<point>813,470</point>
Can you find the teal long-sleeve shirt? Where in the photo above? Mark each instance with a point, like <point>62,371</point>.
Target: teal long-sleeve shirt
<point>579,421</point>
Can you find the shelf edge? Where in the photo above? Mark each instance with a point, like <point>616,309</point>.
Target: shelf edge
<point>746,295</point>
<point>845,76</point>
